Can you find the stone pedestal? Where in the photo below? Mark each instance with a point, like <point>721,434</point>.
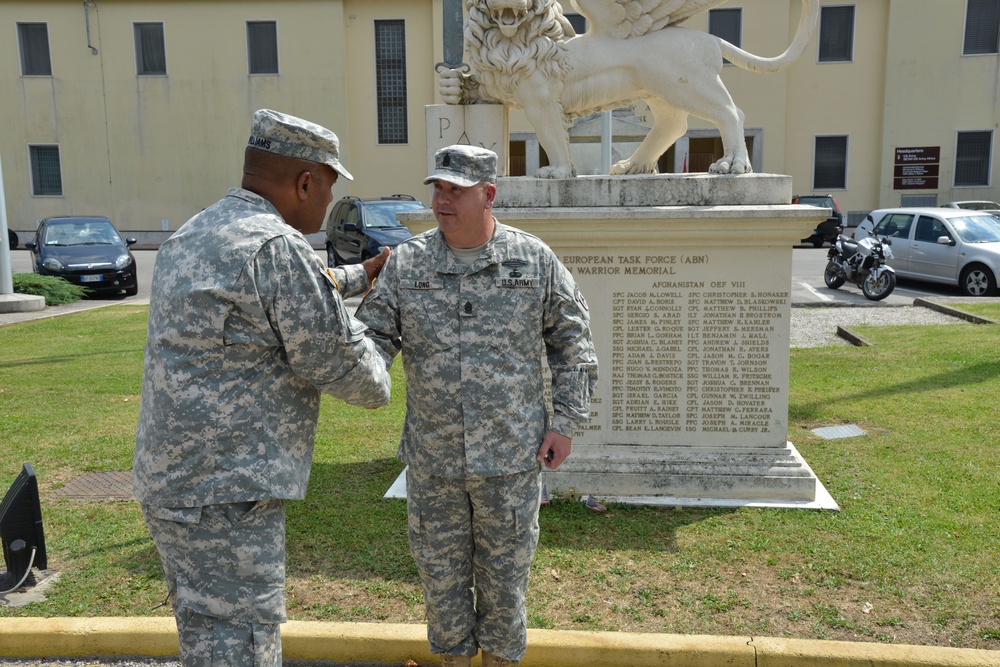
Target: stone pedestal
<point>688,280</point>
<point>21,303</point>
<point>483,125</point>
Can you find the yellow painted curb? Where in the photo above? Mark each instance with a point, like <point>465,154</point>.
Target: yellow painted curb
<point>772,652</point>
<point>38,637</point>
<point>393,643</point>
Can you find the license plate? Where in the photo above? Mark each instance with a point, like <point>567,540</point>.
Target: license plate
<point>91,279</point>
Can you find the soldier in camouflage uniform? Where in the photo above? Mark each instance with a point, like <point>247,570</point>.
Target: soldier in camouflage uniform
<point>246,328</point>
<point>474,305</point>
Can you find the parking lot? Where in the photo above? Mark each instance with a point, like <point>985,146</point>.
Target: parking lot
<point>807,286</point>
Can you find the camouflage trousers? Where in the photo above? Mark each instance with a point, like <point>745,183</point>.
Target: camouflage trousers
<point>473,541</point>
<point>225,571</point>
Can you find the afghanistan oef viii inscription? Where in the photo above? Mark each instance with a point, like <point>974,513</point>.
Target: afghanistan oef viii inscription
<point>686,358</point>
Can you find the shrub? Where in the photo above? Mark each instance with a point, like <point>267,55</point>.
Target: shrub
<point>55,290</point>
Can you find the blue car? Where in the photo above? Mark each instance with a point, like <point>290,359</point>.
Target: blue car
<point>86,251</point>
<point>360,228</point>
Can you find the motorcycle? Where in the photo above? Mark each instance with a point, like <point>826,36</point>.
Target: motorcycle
<point>862,263</point>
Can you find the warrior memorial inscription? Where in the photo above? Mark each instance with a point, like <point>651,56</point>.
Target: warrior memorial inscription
<point>686,355</point>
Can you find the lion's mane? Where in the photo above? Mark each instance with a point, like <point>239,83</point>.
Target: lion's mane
<point>500,62</point>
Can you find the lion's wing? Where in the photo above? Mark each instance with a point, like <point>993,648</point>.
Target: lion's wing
<point>633,18</point>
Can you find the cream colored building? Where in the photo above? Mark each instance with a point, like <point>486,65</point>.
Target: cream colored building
<point>139,110</point>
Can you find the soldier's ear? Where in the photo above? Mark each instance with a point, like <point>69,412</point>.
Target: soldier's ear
<point>303,184</point>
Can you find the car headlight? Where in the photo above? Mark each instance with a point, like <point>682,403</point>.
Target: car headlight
<point>122,262</point>
<point>53,264</point>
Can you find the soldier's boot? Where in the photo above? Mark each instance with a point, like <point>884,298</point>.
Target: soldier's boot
<point>490,660</point>
<point>456,660</point>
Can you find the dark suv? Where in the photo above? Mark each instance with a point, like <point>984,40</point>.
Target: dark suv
<point>360,228</point>
<point>826,231</point>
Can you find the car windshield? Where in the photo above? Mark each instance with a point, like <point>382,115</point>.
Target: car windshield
<point>822,202</point>
<point>383,214</point>
<point>978,205</point>
<point>977,228</point>
<point>80,232</point>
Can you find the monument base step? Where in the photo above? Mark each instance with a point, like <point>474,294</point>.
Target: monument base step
<point>606,471</point>
<point>683,477</point>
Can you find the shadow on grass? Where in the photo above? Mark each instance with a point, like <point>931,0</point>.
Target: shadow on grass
<point>68,359</point>
<point>345,528</point>
<point>571,526</point>
<point>968,375</point>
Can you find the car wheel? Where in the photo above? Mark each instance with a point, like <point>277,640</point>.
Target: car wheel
<point>12,239</point>
<point>131,291</point>
<point>331,257</point>
<point>977,280</point>
<point>832,276</point>
<point>817,243</point>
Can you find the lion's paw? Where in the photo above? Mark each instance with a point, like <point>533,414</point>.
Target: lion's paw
<point>628,167</point>
<point>730,165</point>
<point>450,86</point>
<point>555,172</point>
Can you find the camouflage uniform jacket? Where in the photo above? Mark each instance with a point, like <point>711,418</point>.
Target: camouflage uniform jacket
<point>472,340</point>
<point>246,329</point>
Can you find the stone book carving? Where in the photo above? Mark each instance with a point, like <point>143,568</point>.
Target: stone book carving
<point>525,54</point>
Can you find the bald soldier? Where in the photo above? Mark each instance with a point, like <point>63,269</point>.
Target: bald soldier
<point>246,329</point>
<point>473,306</point>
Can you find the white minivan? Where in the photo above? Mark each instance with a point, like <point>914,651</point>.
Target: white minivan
<point>941,245</point>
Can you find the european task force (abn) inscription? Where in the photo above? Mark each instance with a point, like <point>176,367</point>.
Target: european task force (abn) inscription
<point>685,351</point>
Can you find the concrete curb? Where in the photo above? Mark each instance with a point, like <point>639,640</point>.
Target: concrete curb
<point>941,306</point>
<point>393,643</point>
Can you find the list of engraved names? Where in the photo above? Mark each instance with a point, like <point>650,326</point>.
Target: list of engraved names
<point>687,354</point>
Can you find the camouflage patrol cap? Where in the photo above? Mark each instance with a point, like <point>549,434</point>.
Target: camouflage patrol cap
<point>464,166</point>
<point>280,133</point>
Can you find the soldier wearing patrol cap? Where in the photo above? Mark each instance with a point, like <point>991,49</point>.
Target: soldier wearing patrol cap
<point>473,305</point>
<point>246,329</point>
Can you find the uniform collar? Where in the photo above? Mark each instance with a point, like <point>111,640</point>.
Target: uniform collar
<point>254,199</point>
<point>495,252</point>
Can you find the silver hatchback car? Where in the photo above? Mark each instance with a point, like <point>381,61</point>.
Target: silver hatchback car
<point>941,245</point>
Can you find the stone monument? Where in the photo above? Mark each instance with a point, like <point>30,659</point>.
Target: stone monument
<point>688,276</point>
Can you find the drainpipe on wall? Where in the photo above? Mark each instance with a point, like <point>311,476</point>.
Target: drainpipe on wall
<point>86,17</point>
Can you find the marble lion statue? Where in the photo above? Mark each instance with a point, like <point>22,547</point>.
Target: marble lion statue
<point>525,54</point>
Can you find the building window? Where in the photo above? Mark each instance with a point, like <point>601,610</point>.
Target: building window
<point>727,24</point>
<point>46,174</point>
<point>972,158</point>
<point>150,50</point>
<point>390,81</point>
<point>836,34</point>
<point>262,47</point>
<point>34,42</point>
<point>982,27</point>
<point>922,201</point>
<point>830,163</point>
<point>578,21</point>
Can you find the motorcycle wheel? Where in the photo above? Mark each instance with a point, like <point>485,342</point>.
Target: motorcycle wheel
<point>832,276</point>
<point>877,289</point>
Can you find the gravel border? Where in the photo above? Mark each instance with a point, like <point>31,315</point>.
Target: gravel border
<point>817,326</point>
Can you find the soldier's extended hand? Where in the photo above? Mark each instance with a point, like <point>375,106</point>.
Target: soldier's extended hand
<point>555,449</point>
<point>373,266</point>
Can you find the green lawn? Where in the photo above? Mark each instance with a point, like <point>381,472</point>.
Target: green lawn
<point>913,556</point>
